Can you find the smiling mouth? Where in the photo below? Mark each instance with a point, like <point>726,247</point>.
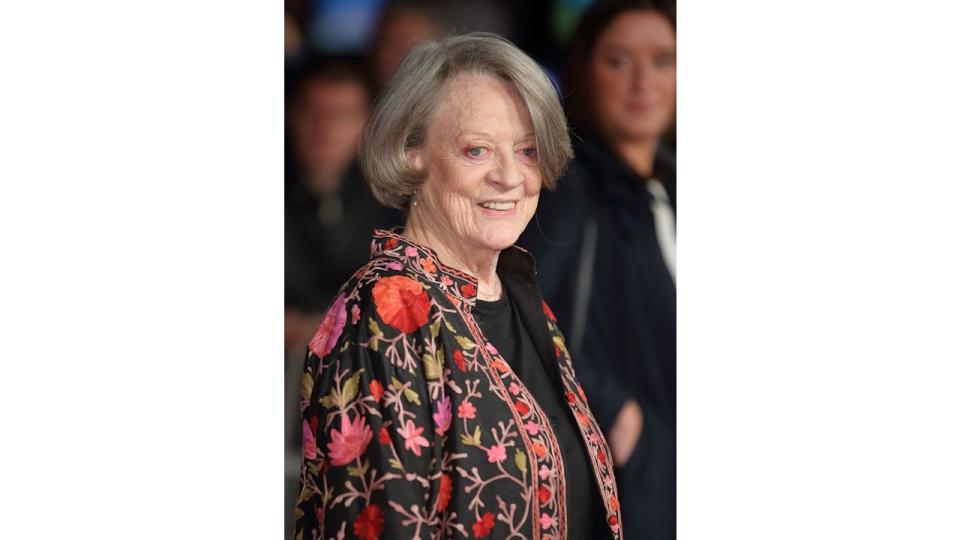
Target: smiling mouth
<point>502,206</point>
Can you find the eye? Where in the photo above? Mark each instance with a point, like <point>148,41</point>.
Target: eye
<point>476,151</point>
<point>617,62</point>
<point>529,153</point>
<point>663,60</point>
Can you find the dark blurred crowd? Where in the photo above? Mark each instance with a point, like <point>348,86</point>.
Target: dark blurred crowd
<point>604,241</point>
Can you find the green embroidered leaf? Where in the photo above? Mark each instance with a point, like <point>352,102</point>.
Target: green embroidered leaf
<point>411,396</point>
<point>346,344</point>
<point>449,326</point>
<point>440,359</point>
<point>354,471</point>
<point>350,388</point>
<point>435,329</point>
<point>297,514</point>
<point>476,435</point>
<point>465,343</point>
<point>467,440</point>
<point>395,383</point>
<point>431,367</point>
<point>306,387</point>
<point>395,464</point>
<point>374,327</point>
<point>329,400</point>
<point>299,535</point>
<point>520,458</point>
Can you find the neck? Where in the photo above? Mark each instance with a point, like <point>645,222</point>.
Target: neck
<point>481,264</point>
<point>639,154</point>
<point>323,179</point>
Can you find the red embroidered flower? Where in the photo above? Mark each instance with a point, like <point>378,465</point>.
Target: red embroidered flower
<point>469,290</point>
<point>614,503</point>
<point>428,266</point>
<point>522,408</point>
<point>547,311</point>
<point>369,523</point>
<point>458,359</point>
<point>483,527</point>
<point>383,436</point>
<point>401,302</point>
<point>556,351</point>
<point>376,390</point>
<point>390,244</point>
<point>446,491</point>
<point>501,366</point>
<point>540,449</point>
<point>582,418</point>
<point>543,494</point>
<point>571,398</point>
<point>580,391</point>
<point>613,521</point>
<point>602,457</point>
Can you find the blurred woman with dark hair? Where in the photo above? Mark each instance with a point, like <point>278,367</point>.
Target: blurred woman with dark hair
<point>606,245</point>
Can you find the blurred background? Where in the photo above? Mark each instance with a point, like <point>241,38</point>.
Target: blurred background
<point>338,54</point>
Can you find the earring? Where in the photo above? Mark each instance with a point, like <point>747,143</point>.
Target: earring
<point>415,194</point>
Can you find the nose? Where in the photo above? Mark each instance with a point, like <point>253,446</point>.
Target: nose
<point>506,173</point>
<point>640,77</point>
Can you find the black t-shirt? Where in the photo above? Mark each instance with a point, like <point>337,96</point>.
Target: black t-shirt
<point>501,325</point>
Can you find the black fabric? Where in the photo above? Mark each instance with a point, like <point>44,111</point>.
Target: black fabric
<point>501,324</point>
<point>328,238</point>
<point>629,342</point>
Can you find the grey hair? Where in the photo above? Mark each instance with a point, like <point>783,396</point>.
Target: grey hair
<point>403,112</point>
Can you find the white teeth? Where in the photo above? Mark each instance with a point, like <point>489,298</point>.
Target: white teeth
<point>498,205</point>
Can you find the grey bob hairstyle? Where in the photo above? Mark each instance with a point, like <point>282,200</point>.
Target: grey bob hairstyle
<point>403,112</point>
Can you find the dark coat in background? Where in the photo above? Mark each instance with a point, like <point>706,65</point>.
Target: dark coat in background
<point>602,271</point>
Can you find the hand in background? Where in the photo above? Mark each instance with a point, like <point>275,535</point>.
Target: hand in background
<point>626,432</point>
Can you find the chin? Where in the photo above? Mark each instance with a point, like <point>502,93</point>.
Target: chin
<point>499,240</point>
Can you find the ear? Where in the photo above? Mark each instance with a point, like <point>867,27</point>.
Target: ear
<point>415,159</point>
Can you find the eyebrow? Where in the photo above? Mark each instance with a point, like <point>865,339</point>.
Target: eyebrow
<point>468,134</point>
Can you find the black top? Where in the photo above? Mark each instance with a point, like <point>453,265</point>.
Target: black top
<point>502,325</point>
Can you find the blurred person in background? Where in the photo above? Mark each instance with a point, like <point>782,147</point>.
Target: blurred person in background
<point>330,212</point>
<point>606,245</point>
<point>401,25</point>
<point>438,398</point>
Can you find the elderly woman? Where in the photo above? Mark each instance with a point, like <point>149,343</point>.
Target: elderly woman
<point>439,399</point>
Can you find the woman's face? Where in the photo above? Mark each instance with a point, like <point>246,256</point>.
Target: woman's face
<point>634,75</point>
<point>480,152</point>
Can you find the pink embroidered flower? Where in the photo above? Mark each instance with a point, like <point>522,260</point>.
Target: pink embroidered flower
<point>410,251</point>
<point>394,265</point>
<point>354,314</point>
<point>347,444</point>
<point>496,453</point>
<point>546,521</point>
<point>545,473</point>
<point>412,440</point>
<point>445,280</point>
<point>309,442</point>
<point>532,428</point>
<point>514,388</point>
<point>491,349</point>
<point>466,410</point>
<point>443,416</point>
<point>330,328</point>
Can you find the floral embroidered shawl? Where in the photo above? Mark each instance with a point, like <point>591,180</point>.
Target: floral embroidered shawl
<point>415,427</point>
